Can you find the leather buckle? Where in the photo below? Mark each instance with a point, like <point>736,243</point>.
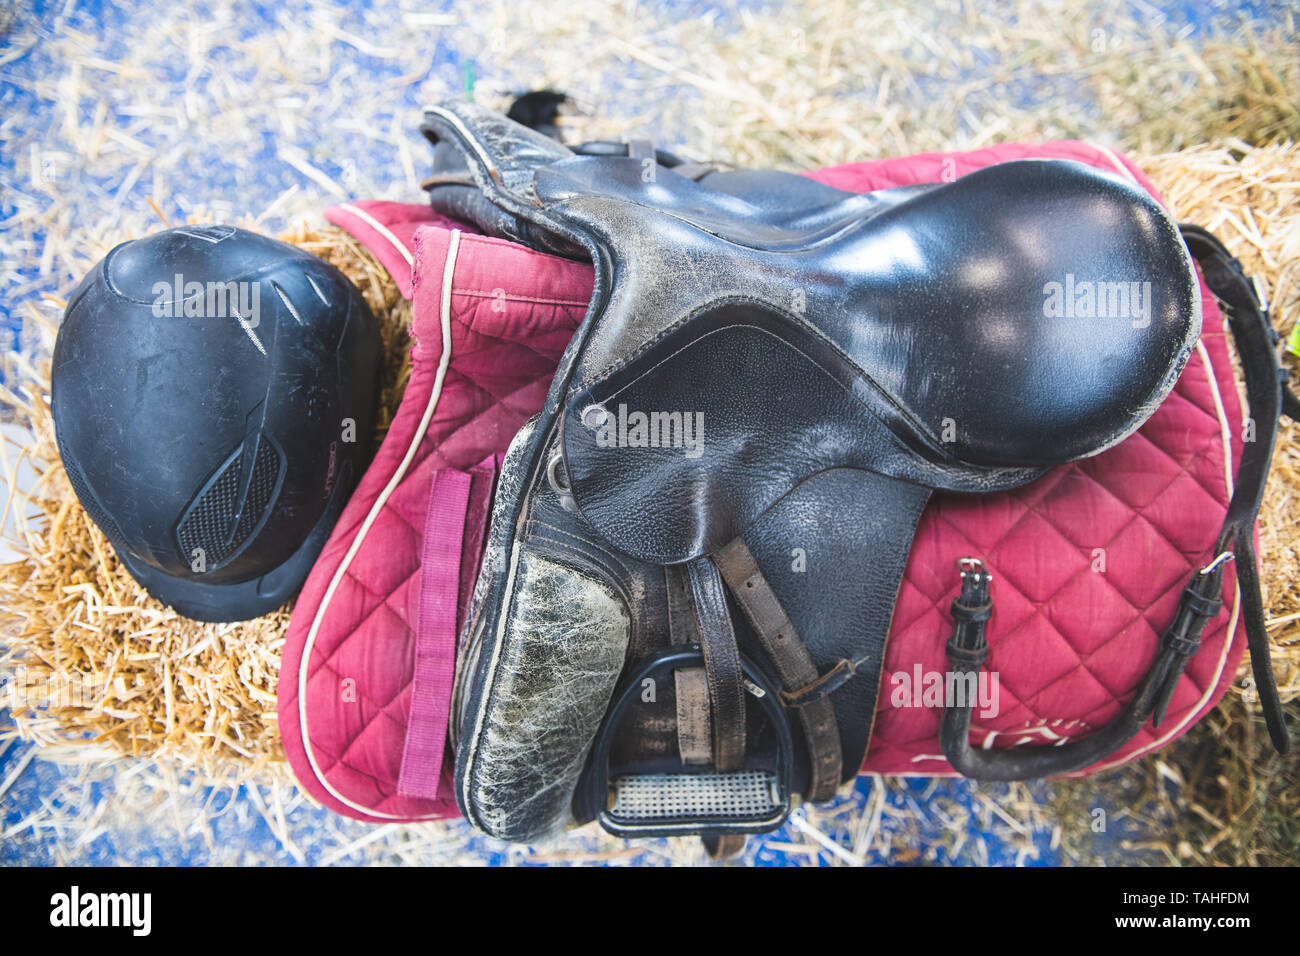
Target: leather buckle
<point>691,801</point>
<point>1223,557</point>
<point>827,683</point>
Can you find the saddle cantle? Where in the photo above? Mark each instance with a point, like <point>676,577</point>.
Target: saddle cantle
<point>772,373</point>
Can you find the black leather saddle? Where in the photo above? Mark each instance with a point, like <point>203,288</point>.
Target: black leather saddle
<point>696,546</point>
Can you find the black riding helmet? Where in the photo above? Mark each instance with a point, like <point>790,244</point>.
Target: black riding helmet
<point>213,394</point>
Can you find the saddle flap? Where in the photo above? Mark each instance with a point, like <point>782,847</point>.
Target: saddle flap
<point>685,448</point>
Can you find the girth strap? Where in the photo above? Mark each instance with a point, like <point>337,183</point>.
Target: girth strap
<point>967,649</point>
<point>1267,398</point>
<point>794,665</point>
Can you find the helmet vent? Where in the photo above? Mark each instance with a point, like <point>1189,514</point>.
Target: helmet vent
<point>81,488</point>
<point>207,522</point>
<point>266,475</point>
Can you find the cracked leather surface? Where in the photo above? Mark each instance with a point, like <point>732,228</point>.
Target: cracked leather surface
<point>911,291</point>
<point>504,147</point>
<point>501,157</point>
<point>509,484</point>
<point>560,662</point>
<point>930,313</point>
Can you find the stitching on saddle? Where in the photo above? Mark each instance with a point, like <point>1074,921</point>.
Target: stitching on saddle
<point>685,320</point>
<point>567,548</point>
<point>614,561</point>
<point>876,388</point>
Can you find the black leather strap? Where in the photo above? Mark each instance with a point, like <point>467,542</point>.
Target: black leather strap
<point>636,149</point>
<point>1291,405</point>
<point>724,846</point>
<point>694,722</point>
<point>721,664</point>
<point>967,650</point>
<point>1267,398</point>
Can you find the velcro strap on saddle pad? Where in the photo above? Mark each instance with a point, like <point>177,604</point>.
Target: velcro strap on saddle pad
<point>459,503</point>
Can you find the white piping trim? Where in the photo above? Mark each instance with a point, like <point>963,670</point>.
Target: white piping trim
<point>1225,431</point>
<point>380,228</point>
<point>470,139</point>
<point>445,315</point>
<point>1115,161</point>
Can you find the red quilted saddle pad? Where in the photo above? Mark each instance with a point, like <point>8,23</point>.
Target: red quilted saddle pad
<point>1088,561</point>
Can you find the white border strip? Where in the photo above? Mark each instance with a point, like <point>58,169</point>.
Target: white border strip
<point>1225,435</point>
<point>380,228</point>
<point>1115,161</point>
<point>448,271</point>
